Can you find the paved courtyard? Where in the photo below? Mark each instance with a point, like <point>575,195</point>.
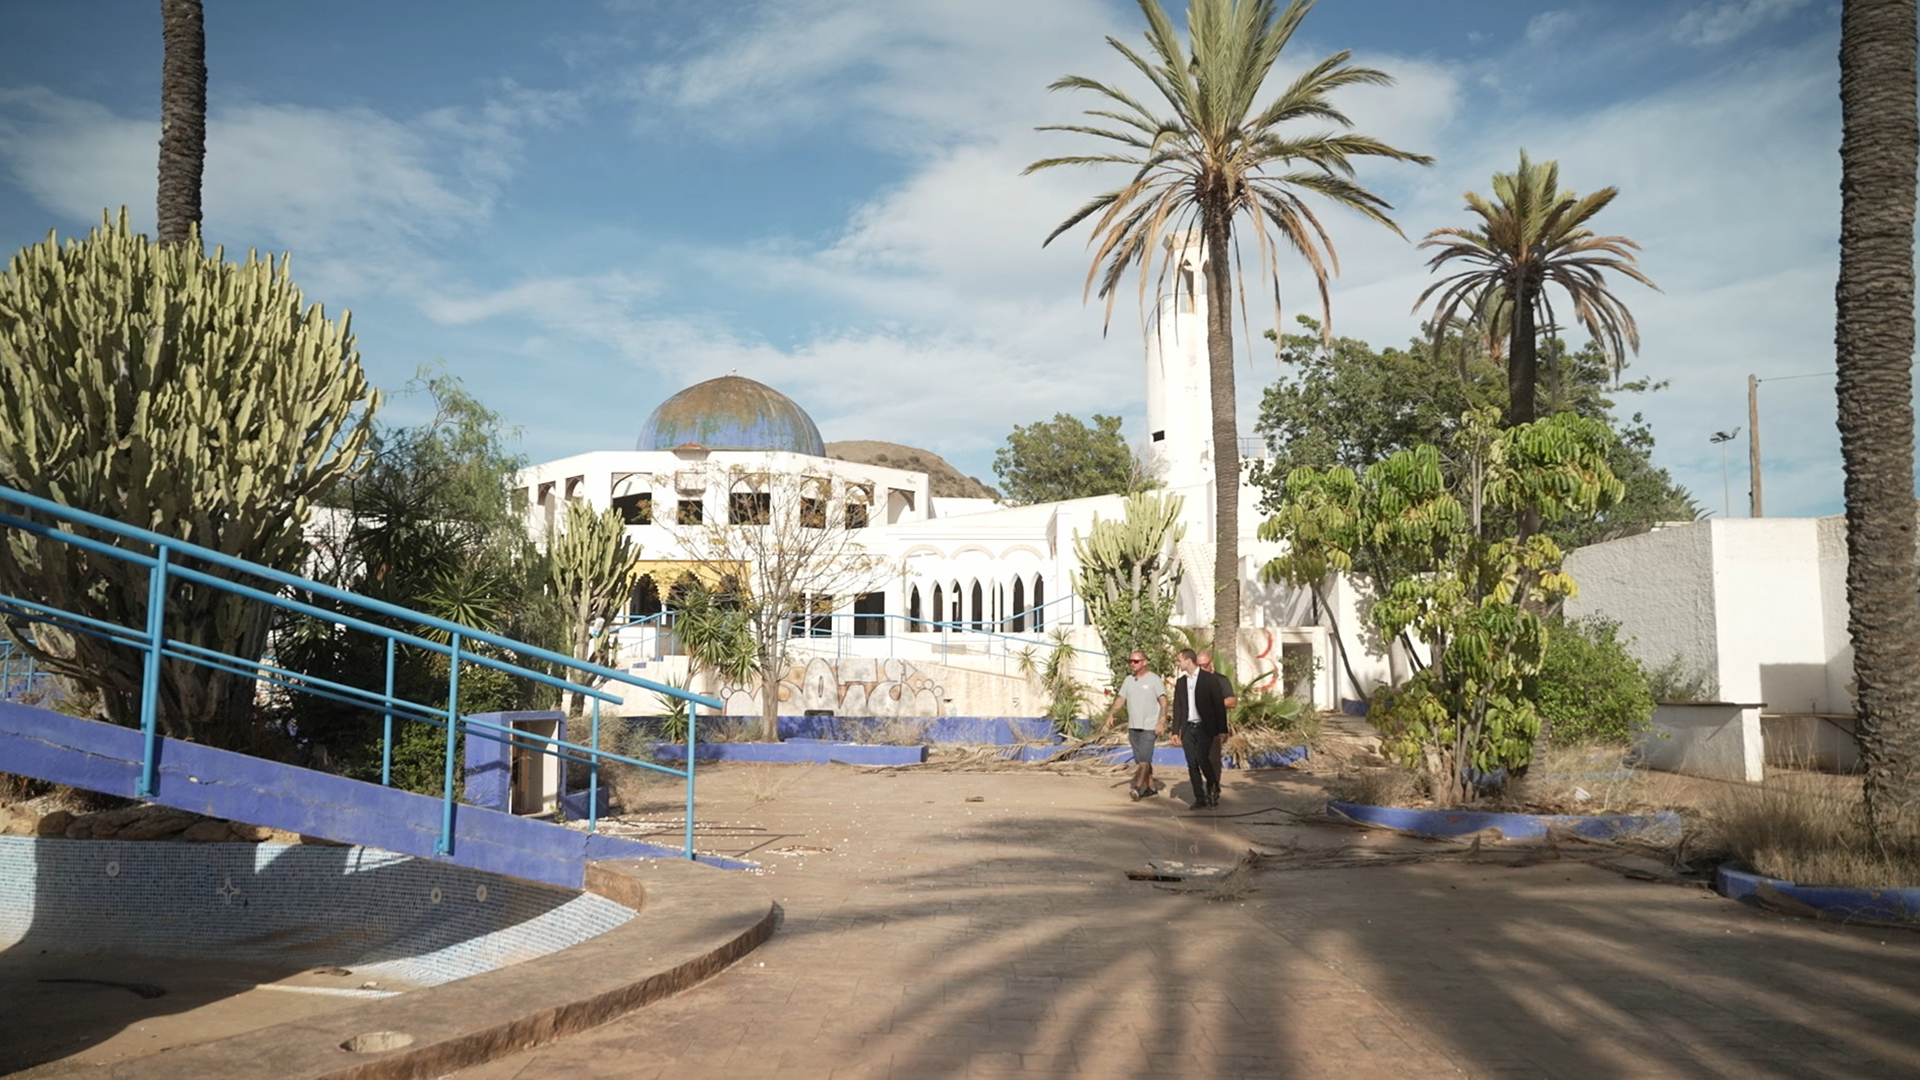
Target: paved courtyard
<point>982,924</point>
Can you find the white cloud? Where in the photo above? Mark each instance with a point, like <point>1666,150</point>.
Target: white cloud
<point>1724,20</point>
<point>341,186</point>
<point>1549,25</point>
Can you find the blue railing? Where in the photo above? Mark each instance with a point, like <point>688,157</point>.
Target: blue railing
<point>164,565</point>
<point>19,673</point>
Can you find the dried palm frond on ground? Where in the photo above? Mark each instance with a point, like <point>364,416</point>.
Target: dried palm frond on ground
<point>1068,757</point>
<point>1215,885</point>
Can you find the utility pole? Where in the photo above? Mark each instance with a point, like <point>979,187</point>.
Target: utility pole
<point>1753,441</point>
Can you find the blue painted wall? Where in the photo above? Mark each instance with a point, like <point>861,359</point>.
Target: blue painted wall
<point>105,758</point>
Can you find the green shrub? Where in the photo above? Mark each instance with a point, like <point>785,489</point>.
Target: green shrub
<point>1679,679</point>
<point>1588,688</point>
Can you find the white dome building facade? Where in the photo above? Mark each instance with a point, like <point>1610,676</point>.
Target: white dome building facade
<point>961,587</point>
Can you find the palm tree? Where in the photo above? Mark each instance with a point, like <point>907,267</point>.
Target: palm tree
<point>1530,236</point>
<point>1216,158</point>
<point>183,118</point>
<point>1874,342</point>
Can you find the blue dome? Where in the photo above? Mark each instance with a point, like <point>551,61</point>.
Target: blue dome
<point>732,413</point>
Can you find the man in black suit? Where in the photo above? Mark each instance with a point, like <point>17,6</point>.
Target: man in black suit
<point>1200,702</point>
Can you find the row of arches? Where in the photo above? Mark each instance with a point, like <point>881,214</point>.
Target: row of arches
<point>1007,608</point>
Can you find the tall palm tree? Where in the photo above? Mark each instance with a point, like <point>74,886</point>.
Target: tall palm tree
<point>1532,235</point>
<point>1880,136</point>
<point>183,118</point>
<point>1219,159</point>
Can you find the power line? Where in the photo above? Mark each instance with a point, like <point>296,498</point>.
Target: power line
<point>1810,375</point>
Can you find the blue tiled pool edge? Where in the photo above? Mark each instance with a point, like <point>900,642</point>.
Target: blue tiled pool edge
<point>420,920</point>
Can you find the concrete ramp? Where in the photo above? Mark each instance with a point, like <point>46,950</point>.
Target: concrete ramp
<point>107,758</point>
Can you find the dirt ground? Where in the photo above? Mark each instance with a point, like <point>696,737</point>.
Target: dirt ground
<point>955,924</point>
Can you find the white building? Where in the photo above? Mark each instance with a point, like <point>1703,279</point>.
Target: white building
<point>1756,607</point>
<point>970,583</point>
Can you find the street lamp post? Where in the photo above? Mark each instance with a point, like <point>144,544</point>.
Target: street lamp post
<point>1726,485</point>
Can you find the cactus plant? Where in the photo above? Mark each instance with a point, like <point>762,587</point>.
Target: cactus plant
<point>181,393</point>
<point>1130,580</point>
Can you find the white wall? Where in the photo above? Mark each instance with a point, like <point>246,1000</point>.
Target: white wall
<point>1759,604</point>
<point>1659,587</point>
<point>1772,626</point>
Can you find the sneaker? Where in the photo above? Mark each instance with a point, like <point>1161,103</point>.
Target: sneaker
<point>1213,795</point>
<point>1133,793</point>
<point>1146,792</point>
<point>1200,804</point>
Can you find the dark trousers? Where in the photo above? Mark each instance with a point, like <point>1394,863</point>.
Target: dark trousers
<point>1203,766</point>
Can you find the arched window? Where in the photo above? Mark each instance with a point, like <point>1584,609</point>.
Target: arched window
<point>645,599</point>
<point>939,612</point>
<point>1019,606</point>
<point>979,614</point>
<point>959,613</point>
<point>1039,601</point>
<point>913,611</point>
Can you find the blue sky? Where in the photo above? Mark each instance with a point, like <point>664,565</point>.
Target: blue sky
<point>581,208</point>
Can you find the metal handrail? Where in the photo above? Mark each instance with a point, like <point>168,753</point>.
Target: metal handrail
<point>157,647</point>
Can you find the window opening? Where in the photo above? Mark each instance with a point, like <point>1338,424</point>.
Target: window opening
<point>1039,602</point>
<point>750,508</point>
<point>635,509</point>
<point>813,512</point>
<point>856,515</point>
<point>867,611</point>
<point>692,512</point>
<point>1019,606</point>
<point>645,598</point>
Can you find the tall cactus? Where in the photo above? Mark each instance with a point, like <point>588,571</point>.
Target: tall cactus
<point>181,393</point>
<point>592,566</point>
<point>1130,579</point>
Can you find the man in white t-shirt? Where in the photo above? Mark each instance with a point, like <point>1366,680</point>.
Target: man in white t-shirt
<point>1145,696</point>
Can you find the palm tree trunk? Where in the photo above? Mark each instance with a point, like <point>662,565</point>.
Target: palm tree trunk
<point>1874,351</point>
<point>183,119</point>
<point>1523,364</point>
<point>1226,437</point>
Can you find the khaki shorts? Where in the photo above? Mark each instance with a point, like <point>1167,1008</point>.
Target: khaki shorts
<point>1143,740</point>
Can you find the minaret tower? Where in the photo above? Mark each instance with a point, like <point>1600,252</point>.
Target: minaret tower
<point>1179,402</point>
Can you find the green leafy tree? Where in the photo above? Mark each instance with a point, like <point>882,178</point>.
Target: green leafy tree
<point>1218,160</point>
<point>1130,581</point>
<point>1063,458</point>
<point>1472,595</point>
<point>428,526</point>
<point>1880,135</point>
<point>180,393</point>
<point>717,633</point>
<point>1588,689</point>
<point>1344,403</point>
<point>1532,235</point>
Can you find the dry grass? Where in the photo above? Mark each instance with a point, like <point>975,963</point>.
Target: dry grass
<point>902,731</point>
<point>765,783</point>
<point>1807,830</point>
<point>1244,744</point>
<point>1380,785</point>
<point>1580,779</point>
<point>730,730</point>
<point>632,789</point>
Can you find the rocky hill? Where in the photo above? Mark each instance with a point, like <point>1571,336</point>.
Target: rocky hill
<point>947,481</point>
